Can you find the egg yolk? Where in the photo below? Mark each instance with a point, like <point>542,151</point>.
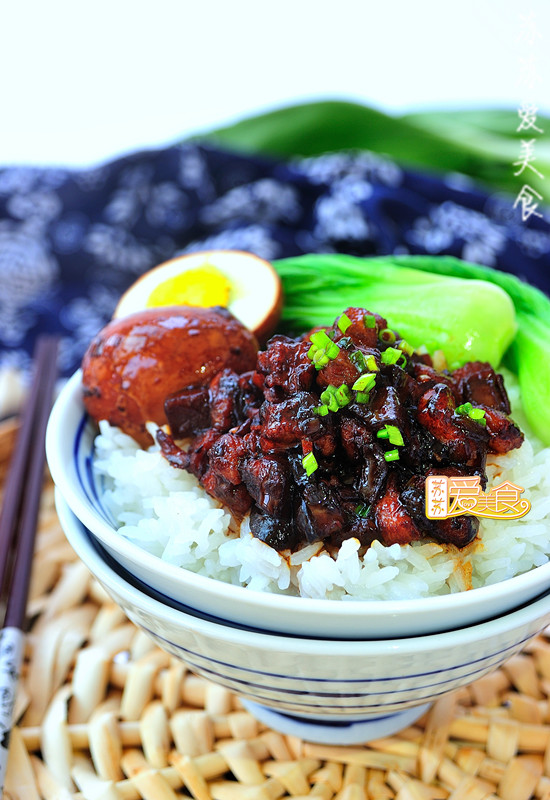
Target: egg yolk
<point>204,286</point>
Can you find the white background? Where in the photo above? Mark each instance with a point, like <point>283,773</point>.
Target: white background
<point>82,82</point>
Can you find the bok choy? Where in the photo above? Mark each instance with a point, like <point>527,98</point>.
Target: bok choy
<point>471,313</point>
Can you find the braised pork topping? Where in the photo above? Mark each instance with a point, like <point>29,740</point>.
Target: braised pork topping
<point>333,434</point>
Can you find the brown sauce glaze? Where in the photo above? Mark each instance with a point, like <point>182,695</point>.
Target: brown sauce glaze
<point>367,454</point>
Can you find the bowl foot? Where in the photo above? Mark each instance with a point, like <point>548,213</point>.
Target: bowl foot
<point>339,730</point>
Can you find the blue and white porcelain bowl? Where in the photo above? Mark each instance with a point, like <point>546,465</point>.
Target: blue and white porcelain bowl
<point>69,447</point>
<point>327,690</point>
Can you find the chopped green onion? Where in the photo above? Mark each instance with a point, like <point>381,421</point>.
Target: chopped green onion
<point>365,382</point>
<point>309,463</point>
<point>344,322</point>
<point>387,336</point>
<point>320,359</point>
<point>371,364</point>
<point>391,355</point>
<point>332,351</point>
<point>344,342</point>
<point>402,362</point>
<point>358,360</point>
<point>477,414</point>
<point>392,433</point>
<point>320,339</point>
<point>335,398</point>
<point>362,397</point>
<point>322,349</point>
<point>362,510</point>
<point>328,398</point>
<point>322,410</point>
<point>343,395</point>
<point>395,435</point>
<point>392,455</point>
<point>405,347</point>
<point>370,321</point>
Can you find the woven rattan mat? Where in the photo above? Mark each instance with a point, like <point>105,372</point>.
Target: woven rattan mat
<point>103,714</point>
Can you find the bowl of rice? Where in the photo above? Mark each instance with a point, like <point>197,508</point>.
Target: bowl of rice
<point>161,526</point>
<point>321,689</point>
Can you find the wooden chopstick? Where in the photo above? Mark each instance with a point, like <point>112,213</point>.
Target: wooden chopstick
<point>18,522</point>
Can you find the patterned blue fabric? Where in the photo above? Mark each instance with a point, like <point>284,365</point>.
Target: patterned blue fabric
<point>71,241</point>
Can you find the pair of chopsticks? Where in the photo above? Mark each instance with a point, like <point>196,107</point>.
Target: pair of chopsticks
<point>18,522</point>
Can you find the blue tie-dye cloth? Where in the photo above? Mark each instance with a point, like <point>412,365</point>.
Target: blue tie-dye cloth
<point>71,241</point>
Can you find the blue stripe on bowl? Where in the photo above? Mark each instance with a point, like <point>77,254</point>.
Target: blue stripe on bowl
<point>324,702</point>
<point>329,723</point>
<point>239,685</point>
<point>83,458</point>
<point>483,663</point>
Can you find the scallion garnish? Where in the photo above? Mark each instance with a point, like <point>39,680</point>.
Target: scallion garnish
<point>468,410</point>
<point>405,347</point>
<point>322,410</point>
<point>391,355</point>
<point>320,339</point>
<point>365,382</point>
<point>478,414</point>
<point>362,397</point>
<point>371,364</point>
<point>392,455</point>
<point>309,463</point>
<point>343,395</point>
<point>370,321</point>
<point>362,510</point>
<point>336,398</point>
<point>395,435</point>
<point>344,322</point>
<point>328,398</point>
<point>387,336</point>
<point>358,360</point>
<point>322,349</point>
<point>392,433</point>
<point>320,359</point>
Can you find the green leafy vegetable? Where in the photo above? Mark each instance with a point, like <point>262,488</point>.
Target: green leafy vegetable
<point>468,311</point>
<point>466,319</point>
<point>480,143</point>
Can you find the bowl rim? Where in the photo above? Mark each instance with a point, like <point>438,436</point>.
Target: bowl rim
<point>71,394</point>
<point>291,643</point>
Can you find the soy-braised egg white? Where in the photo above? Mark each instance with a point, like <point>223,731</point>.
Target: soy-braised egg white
<point>243,283</point>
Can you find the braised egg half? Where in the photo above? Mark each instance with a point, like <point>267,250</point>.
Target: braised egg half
<point>243,283</point>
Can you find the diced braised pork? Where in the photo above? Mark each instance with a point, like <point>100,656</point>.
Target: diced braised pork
<point>333,437</point>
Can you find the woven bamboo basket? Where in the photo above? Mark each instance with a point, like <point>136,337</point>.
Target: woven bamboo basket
<point>103,714</point>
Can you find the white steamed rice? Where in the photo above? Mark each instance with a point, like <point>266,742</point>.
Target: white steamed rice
<point>166,512</point>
